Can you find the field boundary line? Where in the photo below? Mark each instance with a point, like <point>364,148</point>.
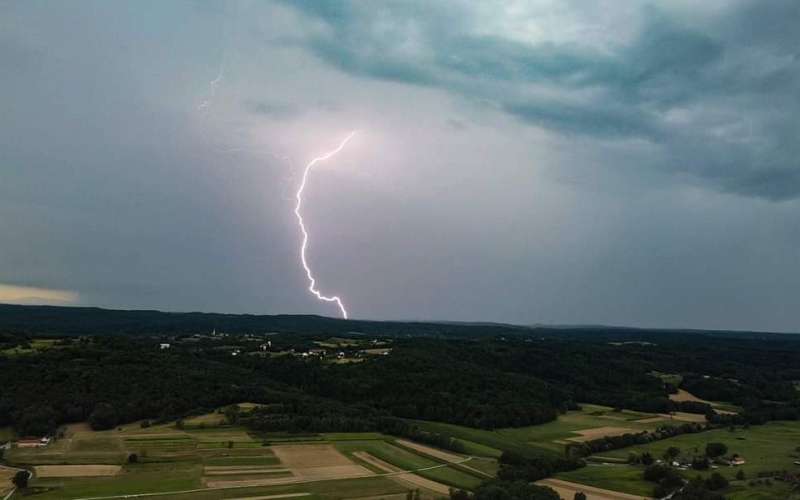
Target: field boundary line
<point>420,452</point>
<point>200,490</point>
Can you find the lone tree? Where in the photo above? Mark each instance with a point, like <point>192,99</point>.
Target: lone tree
<point>714,450</point>
<point>20,479</point>
<point>580,496</point>
<point>672,453</point>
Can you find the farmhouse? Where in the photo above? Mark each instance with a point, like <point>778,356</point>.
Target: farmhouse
<point>163,346</point>
<point>33,442</point>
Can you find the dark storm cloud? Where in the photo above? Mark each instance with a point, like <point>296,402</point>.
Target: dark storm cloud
<point>733,77</point>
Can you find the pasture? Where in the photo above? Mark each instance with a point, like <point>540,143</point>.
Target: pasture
<point>767,448</point>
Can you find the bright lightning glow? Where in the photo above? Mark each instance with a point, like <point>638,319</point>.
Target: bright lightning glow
<point>311,281</point>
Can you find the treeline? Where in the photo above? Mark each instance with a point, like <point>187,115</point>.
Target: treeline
<point>516,467</point>
<point>609,443</point>
<point>757,386</point>
<point>497,489</point>
<point>401,428</point>
<point>313,415</point>
<point>759,414</point>
<point>302,414</point>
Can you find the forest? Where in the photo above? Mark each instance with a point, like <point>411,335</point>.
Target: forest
<point>487,382</point>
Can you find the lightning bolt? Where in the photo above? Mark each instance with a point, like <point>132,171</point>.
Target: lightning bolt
<point>304,245</point>
<point>213,86</point>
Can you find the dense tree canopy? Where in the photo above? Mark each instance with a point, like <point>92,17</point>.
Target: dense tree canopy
<point>484,382</point>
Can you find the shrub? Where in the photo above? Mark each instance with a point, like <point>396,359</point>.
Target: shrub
<point>20,479</point>
<point>656,473</point>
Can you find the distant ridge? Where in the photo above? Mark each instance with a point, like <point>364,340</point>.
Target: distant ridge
<point>69,320</point>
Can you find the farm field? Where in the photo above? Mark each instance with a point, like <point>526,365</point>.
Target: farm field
<point>590,422</point>
<point>33,346</point>
<point>228,462</point>
<point>766,448</point>
<point>683,395</point>
<point>405,459</point>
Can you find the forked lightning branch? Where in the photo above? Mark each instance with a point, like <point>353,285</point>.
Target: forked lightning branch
<point>312,282</point>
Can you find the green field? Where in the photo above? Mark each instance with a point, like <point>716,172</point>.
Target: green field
<point>544,438</point>
<point>766,448</point>
<point>409,460</point>
<point>611,477</point>
<point>36,345</point>
<point>323,490</point>
<point>141,478</point>
<point>174,460</point>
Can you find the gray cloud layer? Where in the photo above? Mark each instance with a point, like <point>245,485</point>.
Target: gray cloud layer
<point>616,162</point>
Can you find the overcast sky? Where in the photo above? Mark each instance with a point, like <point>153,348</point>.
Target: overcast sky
<point>539,161</point>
